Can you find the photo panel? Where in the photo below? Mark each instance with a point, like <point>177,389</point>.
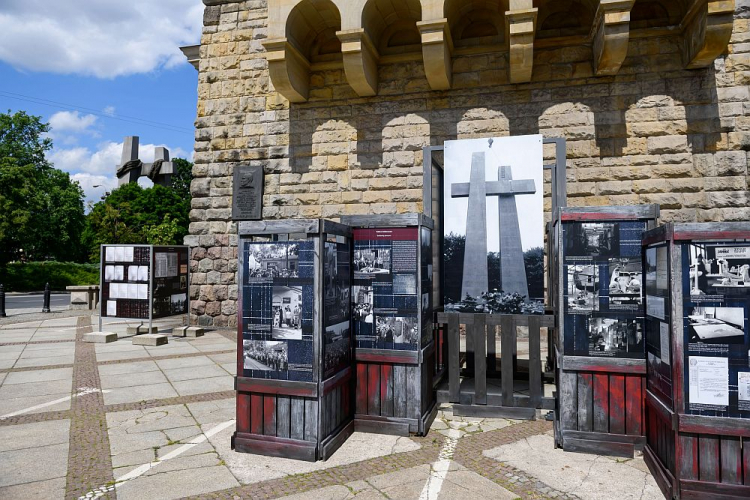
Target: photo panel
<point>372,262</point>
<point>264,355</point>
<point>582,288</point>
<point>592,239</point>
<point>362,300</point>
<point>615,337</point>
<point>287,313</point>
<point>397,330</point>
<point>716,269</point>
<point>716,325</point>
<point>336,349</point>
<point>272,260</point>
<point>625,283</point>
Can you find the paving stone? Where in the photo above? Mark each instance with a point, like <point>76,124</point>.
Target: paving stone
<point>213,384</point>
<point>22,466</point>
<point>51,488</point>
<point>132,379</point>
<point>177,363</point>
<point>126,368</point>
<point>150,339</point>
<point>195,372</point>
<point>329,493</point>
<point>177,484</point>
<point>100,337</point>
<point>139,393</point>
<point>33,389</point>
<point>34,435</point>
<point>39,376</point>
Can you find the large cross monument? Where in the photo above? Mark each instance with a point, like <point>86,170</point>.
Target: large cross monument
<point>512,268</point>
<point>131,168</point>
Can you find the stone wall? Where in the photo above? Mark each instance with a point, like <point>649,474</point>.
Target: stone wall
<point>655,133</point>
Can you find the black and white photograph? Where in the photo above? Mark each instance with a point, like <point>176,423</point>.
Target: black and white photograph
<point>583,288</point>
<point>362,298</point>
<point>613,336</point>
<point>337,351</point>
<point>272,260</point>
<point>494,207</point>
<point>625,279</point>
<point>179,303</point>
<point>265,355</point>
<point>372,261</point>
<point>717,325</point>
<point>287,313</point>
<point>719,270</point>
<point>592,239</point>
<point>398,330</point>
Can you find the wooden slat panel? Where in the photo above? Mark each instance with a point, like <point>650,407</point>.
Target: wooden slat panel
<point>477,331</point>
<point>491,349</point>
<point>687,456</point>
<point>709,463</point>
<point>373,390</point>
<point>256,414</point>
<point>633,405</point>
<point>399,391</point>
<point>746,460</point>
<point>297,422</point>
<point>412,392</point>
<point>454,348</point>
<point>601,402</point>
<point>269,415</point>
<point>311,420</point>
<point>617,404</point>
<point>386,390</point>
<point>243,413</point>
<point>568,400</point>
<point>361,398</point>
<point>283,416</point>
<point>507,347</point>
<point>731,460</point>
<point>535,363</point>
<point>585,402</point>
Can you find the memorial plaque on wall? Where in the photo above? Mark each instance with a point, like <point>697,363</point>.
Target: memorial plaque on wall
<point>385,288</point>
<point>337,345</point>
<point>278,300</point>
<point>716,291</point>
<point>125,284</point>
<point>658,323</point>
<point>603,299</point>
<point>170,281</point>
<point>247,193</point>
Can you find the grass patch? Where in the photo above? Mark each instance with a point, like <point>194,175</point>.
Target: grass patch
<point>32,276</point>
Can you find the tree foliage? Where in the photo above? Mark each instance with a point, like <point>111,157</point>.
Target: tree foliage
<point>41,208</point>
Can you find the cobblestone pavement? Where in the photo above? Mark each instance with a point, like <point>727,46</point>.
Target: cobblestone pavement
<point>116,420</point>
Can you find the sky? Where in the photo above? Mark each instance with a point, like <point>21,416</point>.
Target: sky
<point>98,71</point>
<point>524,154</point>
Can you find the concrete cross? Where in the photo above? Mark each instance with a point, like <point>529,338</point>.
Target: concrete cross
<point>512,268</point>
<point>131,168</point>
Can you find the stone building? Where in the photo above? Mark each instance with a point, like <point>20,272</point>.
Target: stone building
<point>337,98</point>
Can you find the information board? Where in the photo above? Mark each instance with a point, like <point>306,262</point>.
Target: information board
<point>126,281</point>
<point>170,281</point>
<point>385,291</point>
<point>658,323</point>
<point>716,292</point>
<point>337,339</point>
<point>278,300</point>
<point>602,274</point>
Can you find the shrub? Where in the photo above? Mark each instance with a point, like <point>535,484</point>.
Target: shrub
<point>32,276</point>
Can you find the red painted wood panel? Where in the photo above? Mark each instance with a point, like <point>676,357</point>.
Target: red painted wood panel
<point>617,404</point>
<point>256,414</point>
<point>633,406</point>
<point>361,398</point>
<point>373,390</point>
<point>601,402</point>
<point>386,390</point>
<point>243,413</point>
<point>731,460</point>
<point>269,415</point>
<point>746,460</point>
<point>687,456</point>
<point>346,408</point>
<point>709,462</point>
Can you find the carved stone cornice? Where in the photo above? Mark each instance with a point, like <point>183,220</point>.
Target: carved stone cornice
<point>611,35</point>
<point>521,28</point>
<point>360,61</point>
<point>707,31</point>
<point>289,69</point>
<point>437,51</point>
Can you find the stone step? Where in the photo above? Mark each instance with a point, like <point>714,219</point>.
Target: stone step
<point>100,337</point>
<point>150,339</point>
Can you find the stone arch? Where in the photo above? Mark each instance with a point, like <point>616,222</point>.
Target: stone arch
<point>478,123</point>
<point>404,137</point>
<point>476,22</point>
<point>392,26</point>
<point>565,17</point>
<point>311,28</point>
<point>657,13</point>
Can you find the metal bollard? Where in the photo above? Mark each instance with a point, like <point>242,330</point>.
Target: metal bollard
<point>45,308</point>
<point>2,301</point>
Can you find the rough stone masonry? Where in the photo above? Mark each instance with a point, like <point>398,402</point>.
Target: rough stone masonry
<point>646,119</point>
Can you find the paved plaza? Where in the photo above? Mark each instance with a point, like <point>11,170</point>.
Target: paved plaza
<point>131,422</point>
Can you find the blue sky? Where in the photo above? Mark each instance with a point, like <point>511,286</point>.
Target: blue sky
<point>99,71</point>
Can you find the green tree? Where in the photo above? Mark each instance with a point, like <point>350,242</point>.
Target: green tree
<point>183,174</point>
<point>41,208</point>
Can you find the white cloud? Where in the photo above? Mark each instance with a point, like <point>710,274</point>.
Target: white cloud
<point>91,37</point>
<point>94,186</point>
<point>109,111</point>
<point>71,121</point>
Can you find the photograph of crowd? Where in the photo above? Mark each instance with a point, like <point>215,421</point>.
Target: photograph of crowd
<point>611,336</point>
<point>273,260</point>
<point>625,278</point>
<point>265,355</point>
<point>592,240</point>
<point>337,352</point>
<point>362,304</point>
<point>583,288</point>
<point>372,261</point>
<point>717,325</point>
<point>287,313</point>
<point>398,330</point>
